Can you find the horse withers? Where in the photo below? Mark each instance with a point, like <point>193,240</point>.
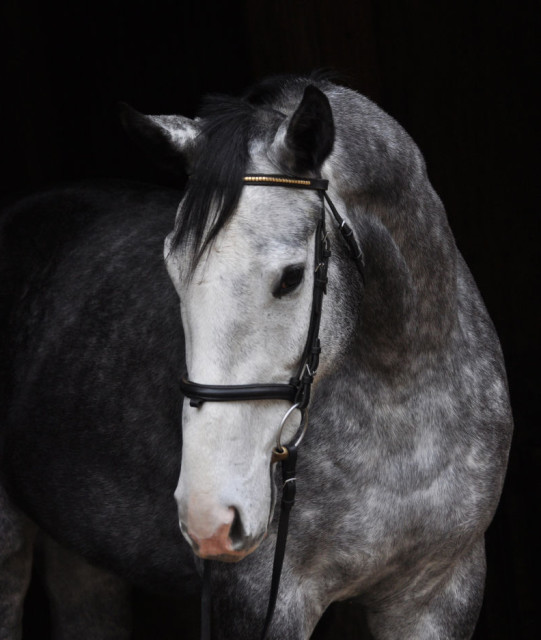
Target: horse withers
<point>408,420</point>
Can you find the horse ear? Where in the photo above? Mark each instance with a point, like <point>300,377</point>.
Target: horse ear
<point>309,137</point>
<point>169,140</point>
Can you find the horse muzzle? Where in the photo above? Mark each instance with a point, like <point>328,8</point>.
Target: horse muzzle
<point>217,533</point>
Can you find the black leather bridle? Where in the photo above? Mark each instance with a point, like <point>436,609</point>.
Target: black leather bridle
<point>297,391</point>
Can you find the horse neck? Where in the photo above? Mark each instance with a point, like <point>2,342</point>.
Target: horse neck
<point>406,334</point>
<point>377,171</point>
<point>409,307</point>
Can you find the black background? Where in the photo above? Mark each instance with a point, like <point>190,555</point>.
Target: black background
<point>461,77</point>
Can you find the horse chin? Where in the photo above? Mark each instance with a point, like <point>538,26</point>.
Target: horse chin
<point>233,556</point>
<point>208,551</point>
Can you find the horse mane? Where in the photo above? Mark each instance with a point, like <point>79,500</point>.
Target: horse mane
<point>215,183</point>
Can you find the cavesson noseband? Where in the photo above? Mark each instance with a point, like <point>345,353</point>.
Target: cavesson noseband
<point>297,391</point>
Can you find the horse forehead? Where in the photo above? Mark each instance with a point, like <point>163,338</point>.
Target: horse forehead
<point>273,217</point>
<point>269,229</point>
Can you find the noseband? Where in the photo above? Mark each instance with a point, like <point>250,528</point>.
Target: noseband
<point>297,391</point>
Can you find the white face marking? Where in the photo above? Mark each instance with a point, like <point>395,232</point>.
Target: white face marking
<point>238,332</point>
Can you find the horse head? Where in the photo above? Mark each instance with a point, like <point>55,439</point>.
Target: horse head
<point>243,262</point>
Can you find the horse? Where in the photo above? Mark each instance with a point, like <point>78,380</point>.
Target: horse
<point>406,430</point>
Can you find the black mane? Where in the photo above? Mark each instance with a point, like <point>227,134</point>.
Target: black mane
<point>215,183</point>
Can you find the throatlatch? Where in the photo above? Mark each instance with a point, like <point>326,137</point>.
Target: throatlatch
<point>297,391</point>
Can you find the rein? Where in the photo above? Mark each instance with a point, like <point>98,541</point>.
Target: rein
<point>297,391</point>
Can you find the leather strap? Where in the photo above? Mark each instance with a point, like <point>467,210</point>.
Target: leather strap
<point>310,357</point>
<point>199,393</point>
<point>289,489</point>
<point>347,234</point>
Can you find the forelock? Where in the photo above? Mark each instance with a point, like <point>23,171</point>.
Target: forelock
<point>227,127</point>
<point>215,183</point>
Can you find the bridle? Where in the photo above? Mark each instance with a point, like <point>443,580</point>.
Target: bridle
<point>297,391</point>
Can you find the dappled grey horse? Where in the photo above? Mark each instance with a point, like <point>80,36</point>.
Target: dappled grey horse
<point>408,425</point>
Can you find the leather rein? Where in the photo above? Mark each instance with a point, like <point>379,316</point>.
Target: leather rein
<point>297,391</point>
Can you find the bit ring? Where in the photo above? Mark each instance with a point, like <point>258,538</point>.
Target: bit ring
<point>303,424</point>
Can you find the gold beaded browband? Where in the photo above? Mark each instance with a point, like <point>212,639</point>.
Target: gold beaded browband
<point>285,181</point>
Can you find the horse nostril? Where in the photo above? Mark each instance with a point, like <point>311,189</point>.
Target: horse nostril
<point>236,532</point>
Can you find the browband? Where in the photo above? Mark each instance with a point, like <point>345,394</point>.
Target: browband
<point>277,180</point>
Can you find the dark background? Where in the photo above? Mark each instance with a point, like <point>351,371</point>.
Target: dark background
<point>461,77</point>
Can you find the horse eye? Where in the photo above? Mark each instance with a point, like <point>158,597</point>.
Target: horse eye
<point>290,280</point>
